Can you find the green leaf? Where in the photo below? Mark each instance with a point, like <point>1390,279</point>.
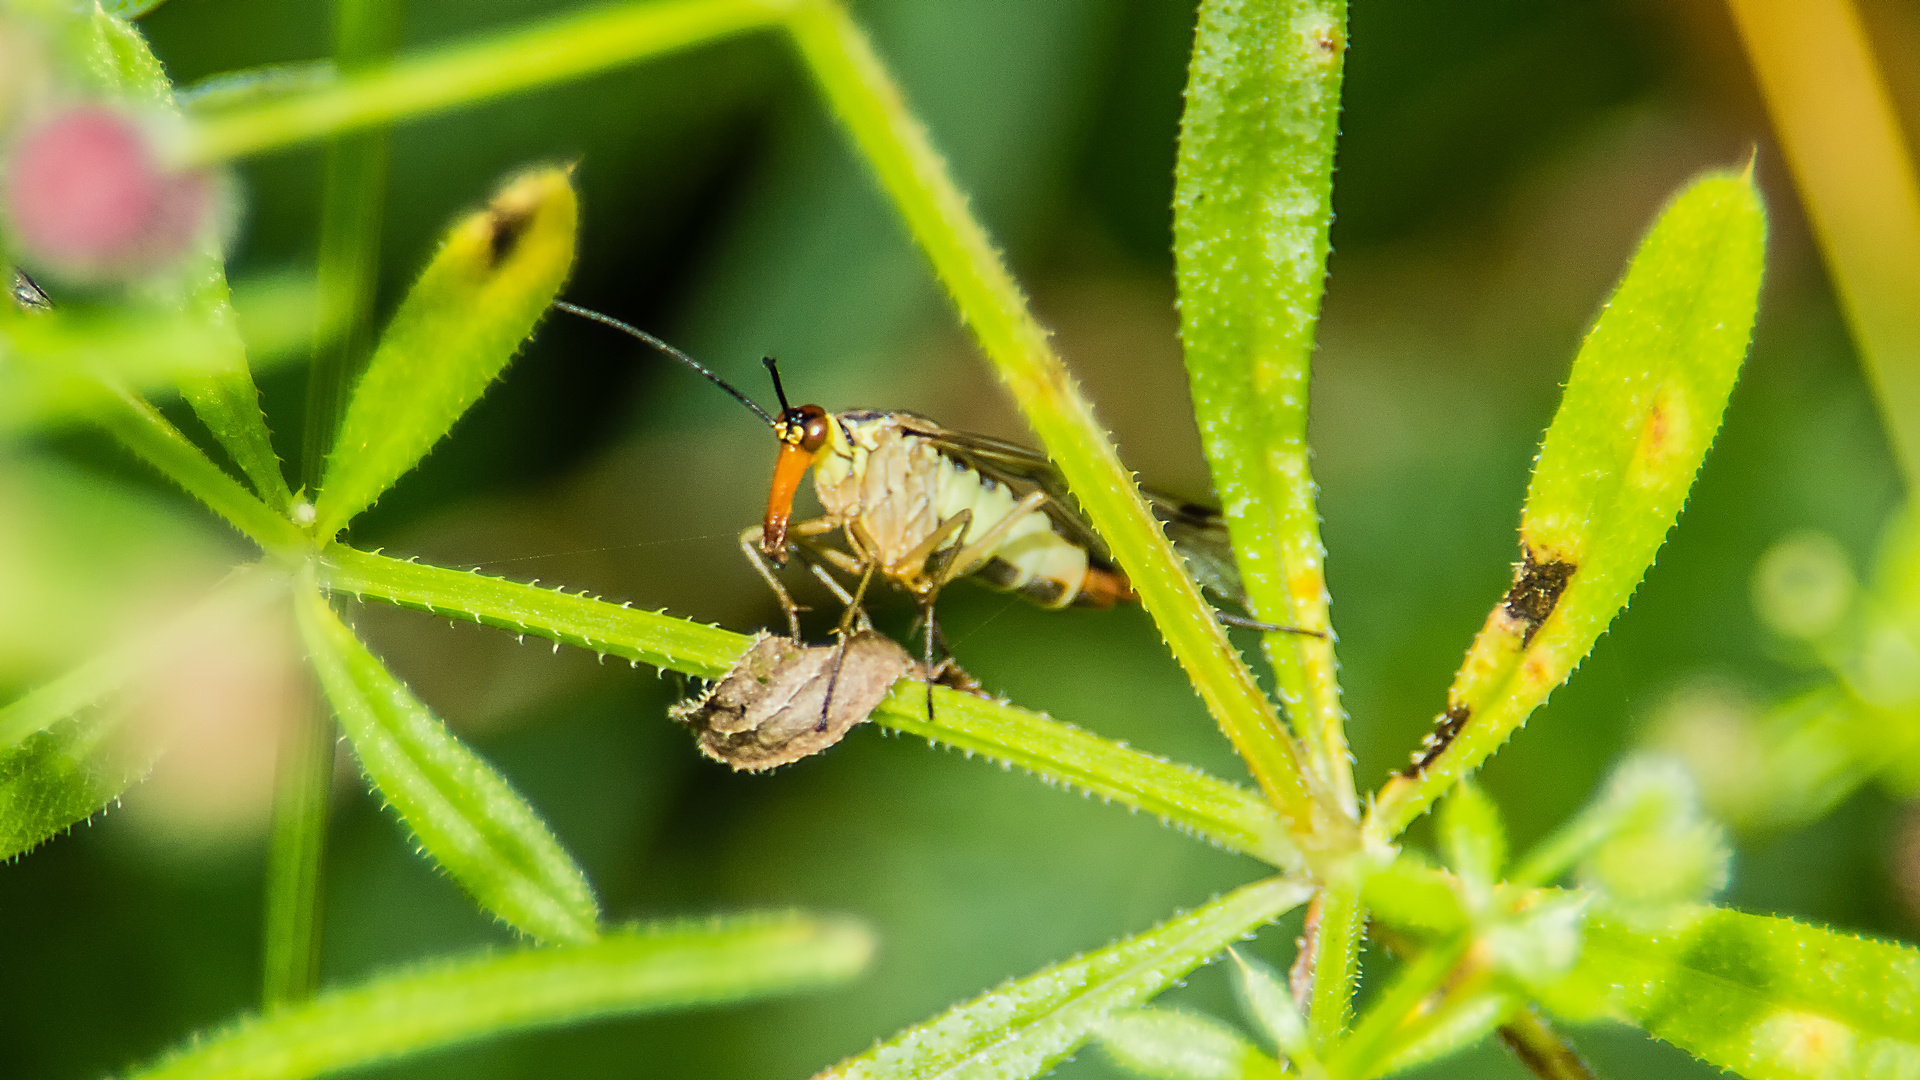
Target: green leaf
<point>141,428</point>
<point>117,57</point>
<point>63,775</point>
<point>1216,811</point>
<point>645,637</point>
<point>465,815</point>
<point>1459,1021</point>
<point>1472,836</point>
<point>1767,998</point>
<point>630,970</point>
<point>1267,1000</point>
<point>1398,1016</point>
<point>1645,841</point>
<point>248,86</point>
<point>1407,894</point>
<point>1640,408</point>
<point>1540,940</point>
<point>1174,1044</point>
<point>1185,797</point>
<point>1024,1028</point>
<point>130,9</point>
<point>491,281</point>
<point>1252,206</point>
<point>1643,793</point>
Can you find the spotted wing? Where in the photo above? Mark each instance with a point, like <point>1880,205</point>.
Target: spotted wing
<point>1198,532</point>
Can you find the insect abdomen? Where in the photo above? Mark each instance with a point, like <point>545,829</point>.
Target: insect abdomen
<point>1031,559</point>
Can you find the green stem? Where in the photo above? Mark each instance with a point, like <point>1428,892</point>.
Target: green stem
<point>295,856</point>
<point>1226,815</point>
<point>1367,1047</point>
<point>1212,809</point>
<point>1541,1049</point>
<point>493,66</point>
<point>1336,961</point>
<point>1842,139</point>
<point>352,206</point>
<point>863,96</point>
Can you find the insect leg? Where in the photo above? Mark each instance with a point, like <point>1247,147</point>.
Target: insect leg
<point>855,606</point>
<point>854,611</point>
<point>749,543</point>
<point>1228,618</point>
<point>834,557</point>
<point>926,613</point>
<point>910,568</point>
<point>832,583</point>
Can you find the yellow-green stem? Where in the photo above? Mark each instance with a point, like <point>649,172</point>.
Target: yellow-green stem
<point>489,67</point>
<point>1842,140</point>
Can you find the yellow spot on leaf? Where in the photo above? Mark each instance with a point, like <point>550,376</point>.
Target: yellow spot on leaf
<point>1808,1044</point>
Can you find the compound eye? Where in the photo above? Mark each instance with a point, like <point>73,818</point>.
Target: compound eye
<point>814,427</point>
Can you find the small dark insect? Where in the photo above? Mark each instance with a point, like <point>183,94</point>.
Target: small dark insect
<point>784,701</point>
<point>1536,591</point>
<point>28,294</point>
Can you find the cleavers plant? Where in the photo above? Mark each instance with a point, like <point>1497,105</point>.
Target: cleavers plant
<point>1486,942</point>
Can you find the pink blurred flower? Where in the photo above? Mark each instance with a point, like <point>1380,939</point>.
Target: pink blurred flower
<point>87,197</point>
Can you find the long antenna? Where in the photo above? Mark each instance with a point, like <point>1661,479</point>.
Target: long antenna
<point>773,369</point>
<point>608,320</point>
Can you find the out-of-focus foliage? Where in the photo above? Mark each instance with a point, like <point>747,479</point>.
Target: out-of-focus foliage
<point>1496,169</point>
<point>1793,761</point>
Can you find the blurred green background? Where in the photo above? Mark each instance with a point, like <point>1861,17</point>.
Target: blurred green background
<point>1498,162</point>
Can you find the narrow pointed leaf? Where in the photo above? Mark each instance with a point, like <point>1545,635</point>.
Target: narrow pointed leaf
<point>142,429</point>
<point>1173,1044</point>
<point>118,60</point>
<point>491,281</point>
<point>1640,408</point>
<point>1025,1027</point>
<point>1472,836</point>
<point>1767,998</point>
<point>1267,1000</point>
<point>1459,1021</point>
<point>465,815</point>
<point>61,776</point>
<point>1252,207</point>
<point>1219,812</point>
<point>631,970</point>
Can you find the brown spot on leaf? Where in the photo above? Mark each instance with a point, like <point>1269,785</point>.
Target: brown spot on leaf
<point>1536,591</point>
<point>1445,729</point>
<point>506,224</point>
<point>1654,441</point>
